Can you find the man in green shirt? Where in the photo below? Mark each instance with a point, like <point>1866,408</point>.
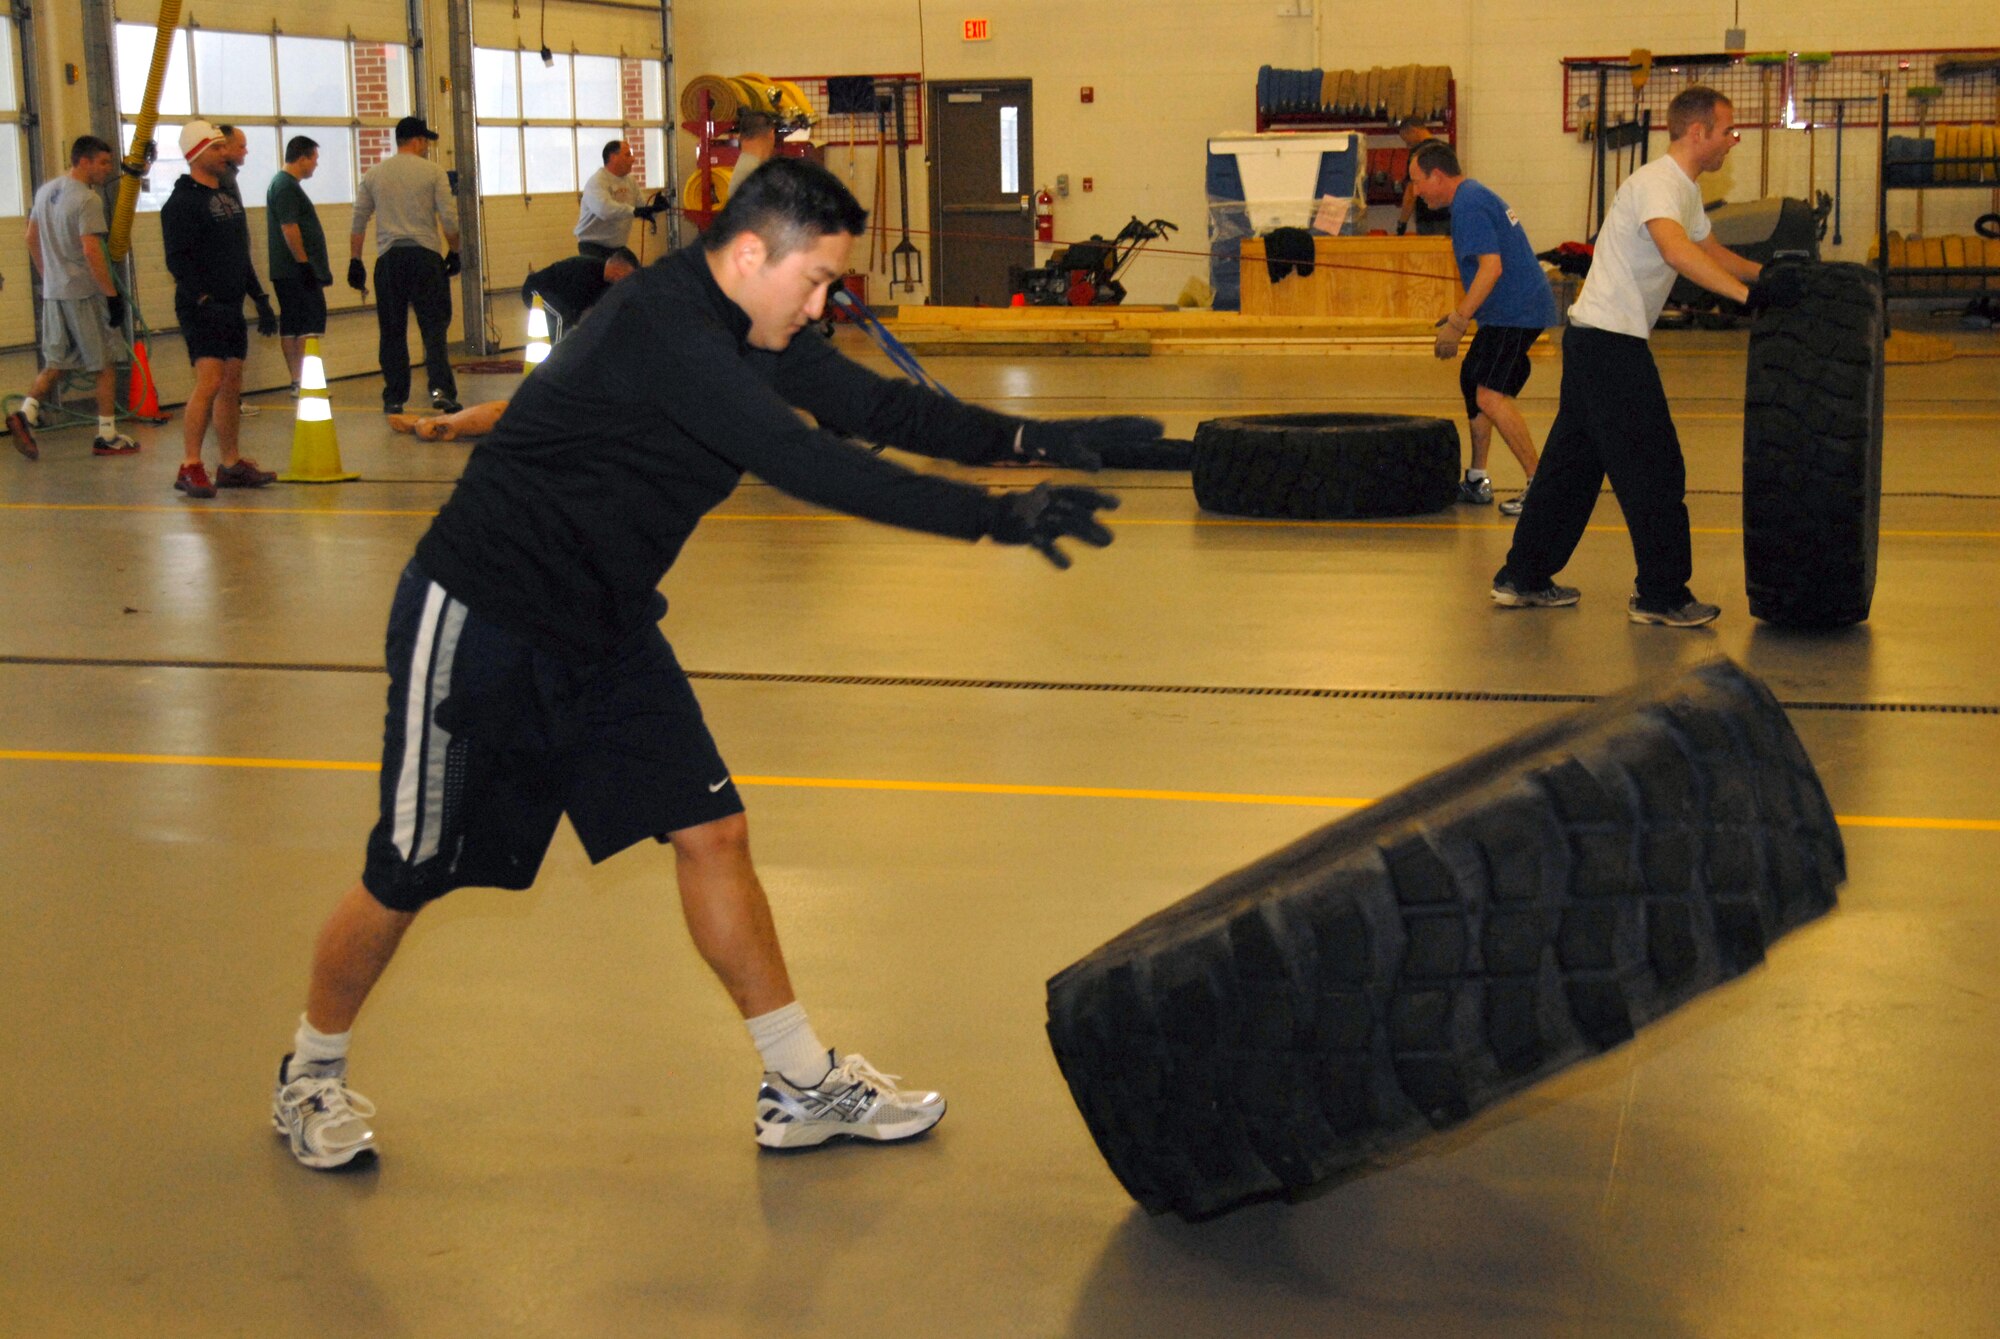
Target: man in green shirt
<point>299,269</point>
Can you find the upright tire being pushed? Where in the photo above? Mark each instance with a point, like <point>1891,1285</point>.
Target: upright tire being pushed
<point>1321,467</point>
<point>1812,452</point>
<point>1400,969</point>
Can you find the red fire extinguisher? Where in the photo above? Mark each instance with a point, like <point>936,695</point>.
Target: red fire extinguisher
<point>1045,216</point>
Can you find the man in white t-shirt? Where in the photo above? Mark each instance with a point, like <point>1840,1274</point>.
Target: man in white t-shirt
<point>1612,418</point>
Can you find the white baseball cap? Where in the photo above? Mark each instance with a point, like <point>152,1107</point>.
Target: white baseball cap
<point>196,136</point>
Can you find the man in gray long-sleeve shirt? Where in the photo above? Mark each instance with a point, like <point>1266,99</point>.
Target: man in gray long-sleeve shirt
<point>604,215</point>
<point>410,199</point>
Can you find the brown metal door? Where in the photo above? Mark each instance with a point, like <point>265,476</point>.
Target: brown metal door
<point>982,189</point>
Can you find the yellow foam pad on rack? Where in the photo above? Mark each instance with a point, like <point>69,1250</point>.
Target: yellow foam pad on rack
<point>691,193</point>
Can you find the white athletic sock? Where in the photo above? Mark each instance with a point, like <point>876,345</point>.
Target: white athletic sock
<point>31,409</point>
<point>785,1039</point>
<point>107,428</point>
<point>1475,475</point>
<point>310,1045</point>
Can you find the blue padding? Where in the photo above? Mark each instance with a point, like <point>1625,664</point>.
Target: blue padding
<point>1225,178</point>
<point>1338,172</point>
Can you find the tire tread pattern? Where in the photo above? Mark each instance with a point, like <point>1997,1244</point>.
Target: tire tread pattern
<point>1402,968</point>
<point>1313,467</point>
<point>1812,452</point>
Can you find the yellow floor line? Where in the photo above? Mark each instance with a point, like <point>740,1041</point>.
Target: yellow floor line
<point>920,787</point>
<point>1221,522</point>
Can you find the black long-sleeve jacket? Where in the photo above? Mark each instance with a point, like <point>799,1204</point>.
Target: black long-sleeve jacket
<point>570,513</point>
<point>207,240</point>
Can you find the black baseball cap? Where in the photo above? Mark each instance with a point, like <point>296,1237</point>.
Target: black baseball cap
<point>413,127</point>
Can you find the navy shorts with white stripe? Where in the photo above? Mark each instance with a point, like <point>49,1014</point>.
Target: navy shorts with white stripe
<point>488,742</point>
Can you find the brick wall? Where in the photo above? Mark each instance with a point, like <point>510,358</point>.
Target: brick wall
<point>632,81</point>
<point>371,98</point>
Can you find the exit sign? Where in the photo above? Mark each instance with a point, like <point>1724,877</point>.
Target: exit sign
<point>975,30</point>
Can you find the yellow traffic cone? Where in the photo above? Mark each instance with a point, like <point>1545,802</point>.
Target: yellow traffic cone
<point>315,450</point>
<point>538,336</point>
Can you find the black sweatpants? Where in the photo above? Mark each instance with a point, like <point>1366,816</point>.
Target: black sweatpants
<point>1612,419</point>
<point>412,278</point>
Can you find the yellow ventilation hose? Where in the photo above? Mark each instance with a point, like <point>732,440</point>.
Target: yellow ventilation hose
<point>142,132</point>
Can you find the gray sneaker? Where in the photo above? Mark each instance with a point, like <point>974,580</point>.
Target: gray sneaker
<point>325,1123</point>
<point>1692,614</point>
<point>1510,596</point>
<point>1477,492</point>
<point>854,1101</point>
<point>1512,506</point>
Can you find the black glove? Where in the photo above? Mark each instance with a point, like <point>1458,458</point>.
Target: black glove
<point>1078,443</point>
<point>357,277</point>
<point>267,320</point>
<point>114,311</point>
<point>452,264</point>
<point>1043,514</point>
<point>307,274</point>
<point>1402,226</point>
<point>1782,284</point>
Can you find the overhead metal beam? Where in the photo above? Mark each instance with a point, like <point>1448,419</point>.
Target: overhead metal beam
<point>465,141</point>
<point>672,111</point>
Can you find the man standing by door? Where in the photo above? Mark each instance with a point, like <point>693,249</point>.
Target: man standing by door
<point>299,268</point>
<point>82,314</point>
<point>610,203</point>
<point>410,199</point>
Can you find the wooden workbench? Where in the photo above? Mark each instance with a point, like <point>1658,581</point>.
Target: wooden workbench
<point>1412,278</point>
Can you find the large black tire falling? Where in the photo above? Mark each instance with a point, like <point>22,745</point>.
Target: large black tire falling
<point>1312,467</point>
<point>1812,452</point>
<point>1400,969</point>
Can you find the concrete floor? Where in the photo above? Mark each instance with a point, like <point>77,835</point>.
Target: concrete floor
<point>565,1095</point>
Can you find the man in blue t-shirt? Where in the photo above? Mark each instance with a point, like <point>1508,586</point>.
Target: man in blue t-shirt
<point>1505,287</point>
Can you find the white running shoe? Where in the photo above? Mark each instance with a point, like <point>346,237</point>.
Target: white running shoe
<point>854,1101</point>
<point>326,1123</point>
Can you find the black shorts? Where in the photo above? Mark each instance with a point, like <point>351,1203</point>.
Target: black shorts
<point>213,329</point>
<point>489,742</point>
<point>1497,360</point>
<point>301,307</point>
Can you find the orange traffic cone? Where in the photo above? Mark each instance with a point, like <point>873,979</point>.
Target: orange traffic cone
<point>142,398</point>
<point>315,449</point>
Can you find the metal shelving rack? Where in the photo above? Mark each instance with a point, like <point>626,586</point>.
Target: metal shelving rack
<point>1939,277</point>
<point>1444,127</point>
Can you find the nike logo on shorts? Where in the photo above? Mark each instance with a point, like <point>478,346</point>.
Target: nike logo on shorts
<point>718,786</point>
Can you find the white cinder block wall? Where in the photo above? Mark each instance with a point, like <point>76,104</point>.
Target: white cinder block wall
<point>1169,73</point>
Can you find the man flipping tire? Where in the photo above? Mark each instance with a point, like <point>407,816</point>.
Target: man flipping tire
<point>529,679</point>
<point>1612,418</point>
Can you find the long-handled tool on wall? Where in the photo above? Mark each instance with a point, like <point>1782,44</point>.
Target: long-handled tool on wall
<point>1839,135</point>
<point>906,263</point>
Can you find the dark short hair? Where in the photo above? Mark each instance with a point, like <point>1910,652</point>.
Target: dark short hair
<point>1695,103</point>
<point>86,146</point>
<point>789,203</point>
<point>299,146</point>
<point>1434,155</point>
<point>623,253</point>
<point>225,130</point>
<point>612,146</point>
<point>754,123</point>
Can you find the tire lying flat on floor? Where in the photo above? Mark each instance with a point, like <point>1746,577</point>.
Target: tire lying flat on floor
<point>1315,467</point>
<point>1400,969</point>
<point>1812,452</point>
